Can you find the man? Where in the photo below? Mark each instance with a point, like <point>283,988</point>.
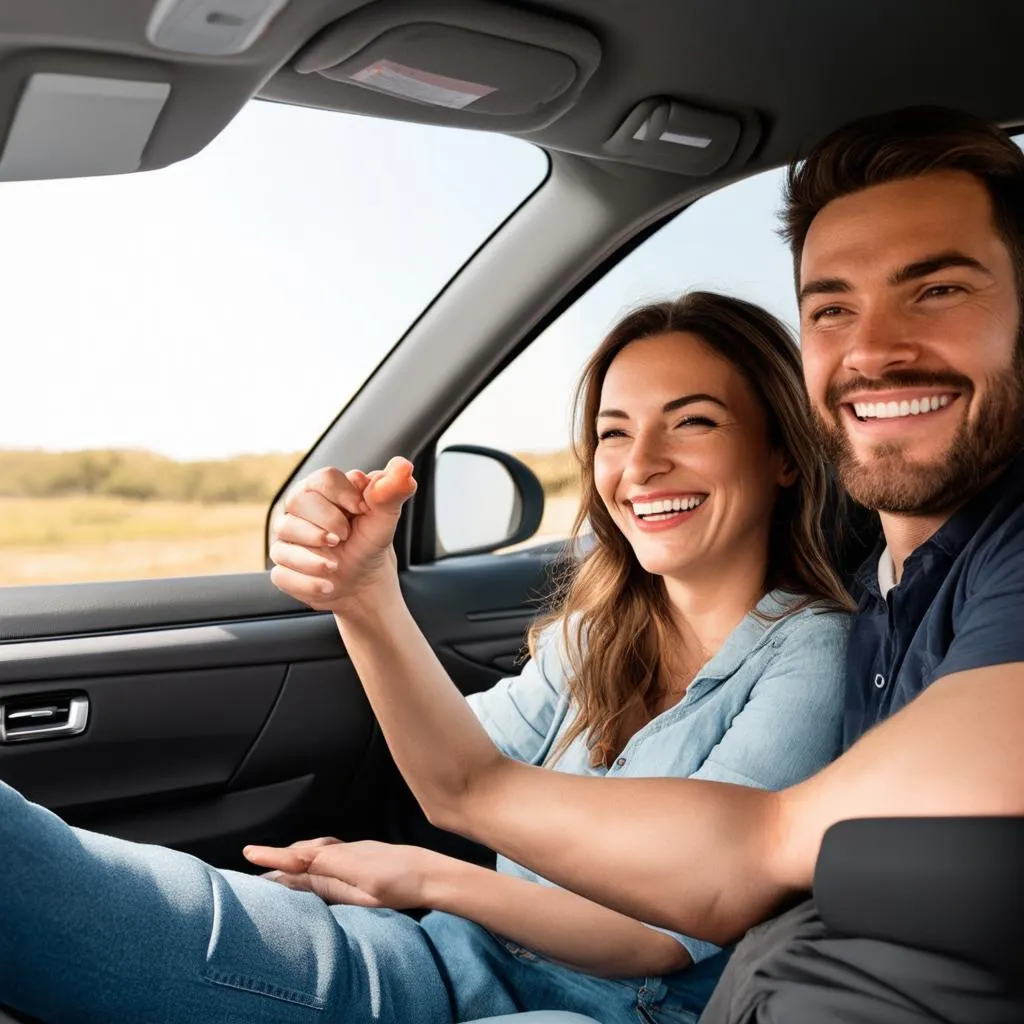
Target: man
<point>907,232</point>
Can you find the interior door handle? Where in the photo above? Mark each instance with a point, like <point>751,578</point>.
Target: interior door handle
<point>43,719</point>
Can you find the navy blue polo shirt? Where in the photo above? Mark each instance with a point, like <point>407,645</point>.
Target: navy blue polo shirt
<point>958,606</point>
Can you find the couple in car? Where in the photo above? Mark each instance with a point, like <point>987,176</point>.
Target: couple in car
<point>707,698</point>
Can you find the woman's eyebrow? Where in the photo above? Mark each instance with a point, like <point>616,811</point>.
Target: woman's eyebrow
<point>676,403</point>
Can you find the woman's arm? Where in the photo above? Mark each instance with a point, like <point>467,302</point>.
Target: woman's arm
<point>687,855</point>
<point>553,922</point>
<point>556,923</point>
<point>710,884</point>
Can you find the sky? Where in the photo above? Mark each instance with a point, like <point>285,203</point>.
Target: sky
<point>234,302</point>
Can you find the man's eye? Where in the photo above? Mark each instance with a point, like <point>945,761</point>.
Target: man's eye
<point>941,291</point>
<point>827,313</point>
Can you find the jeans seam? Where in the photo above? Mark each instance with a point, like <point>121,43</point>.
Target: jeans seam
<point>254,985</point>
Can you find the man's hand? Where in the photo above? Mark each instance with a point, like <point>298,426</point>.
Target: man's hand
<point>333,545</point>
<point>363,874</point>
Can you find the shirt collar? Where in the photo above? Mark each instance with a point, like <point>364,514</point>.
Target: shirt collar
<point>886,572</point>
<point>748,633</point>
<point>952,537</point>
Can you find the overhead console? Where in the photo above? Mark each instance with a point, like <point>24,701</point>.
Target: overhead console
<point>494,66</point>
<point>498,68</point>
<point>97,95</point>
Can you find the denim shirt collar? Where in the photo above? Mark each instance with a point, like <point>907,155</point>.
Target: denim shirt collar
<point>746,635</point>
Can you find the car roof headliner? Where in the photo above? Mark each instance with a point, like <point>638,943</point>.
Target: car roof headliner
<point>800,67</point>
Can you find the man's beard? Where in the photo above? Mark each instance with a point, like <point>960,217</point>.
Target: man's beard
<point>890,482</point>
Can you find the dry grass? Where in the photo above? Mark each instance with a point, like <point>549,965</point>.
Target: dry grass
<point>79,539</point>
<point>86,539</point>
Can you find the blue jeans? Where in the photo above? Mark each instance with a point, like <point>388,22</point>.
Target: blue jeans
<point>95,929</point>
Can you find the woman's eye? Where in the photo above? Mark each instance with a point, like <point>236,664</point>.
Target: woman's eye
<point>607,435</point>
<point>696,421</point>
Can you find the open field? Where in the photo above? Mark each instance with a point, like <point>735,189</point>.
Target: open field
<point>74,517</point>
<point>89,538</point>
<point>82,538</point>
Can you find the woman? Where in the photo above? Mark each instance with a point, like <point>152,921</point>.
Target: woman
<point>689,642</point>
<point>701,637</point>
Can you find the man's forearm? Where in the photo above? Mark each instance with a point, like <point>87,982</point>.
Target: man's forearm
<point>557,924</point>
<point>697,857</point>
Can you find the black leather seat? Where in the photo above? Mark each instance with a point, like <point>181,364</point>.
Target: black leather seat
<point>950,885</point>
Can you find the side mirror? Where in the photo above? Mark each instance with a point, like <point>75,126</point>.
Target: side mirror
<point>483,500</point>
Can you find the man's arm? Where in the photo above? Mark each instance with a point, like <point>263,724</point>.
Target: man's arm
<point>667,850</point>
<point>703,858</point>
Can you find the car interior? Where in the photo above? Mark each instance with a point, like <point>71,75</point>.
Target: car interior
<point>208,712</point>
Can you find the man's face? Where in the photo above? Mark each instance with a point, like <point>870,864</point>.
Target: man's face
<point>909,323</point>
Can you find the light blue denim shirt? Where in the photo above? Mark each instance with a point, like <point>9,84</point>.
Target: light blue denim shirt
<point>766,711</point>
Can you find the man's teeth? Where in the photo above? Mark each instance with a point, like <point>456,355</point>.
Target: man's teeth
<point>893,410</point>
<point>666,506</point>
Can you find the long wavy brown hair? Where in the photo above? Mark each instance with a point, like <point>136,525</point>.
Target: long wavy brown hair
<point>615,615</point>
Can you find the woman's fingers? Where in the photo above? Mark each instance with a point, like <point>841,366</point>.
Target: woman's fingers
<point>278,858</point>
<point>295,530</point>
<point>335,487</point>
<point>320,511</point>
<point>311,590</point>
<point>308,561</point>
<point>390,489</point>
<point>319,841</point>
<point>330,890</point>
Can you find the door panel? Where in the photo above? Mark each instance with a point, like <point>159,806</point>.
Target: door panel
<point>146,735</point>
<point>222,713</point>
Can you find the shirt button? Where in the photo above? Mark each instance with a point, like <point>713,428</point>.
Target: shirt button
<point>879,681</point>
<point>621,761</point>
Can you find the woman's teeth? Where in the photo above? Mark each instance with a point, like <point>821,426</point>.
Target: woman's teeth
<point>894,410</point>
<point>666,507</point>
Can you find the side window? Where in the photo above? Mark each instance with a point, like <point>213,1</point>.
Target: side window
<point>175,340</point>
<point>725,242</point>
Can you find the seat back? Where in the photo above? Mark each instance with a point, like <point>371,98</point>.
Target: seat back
<point>950,885</point>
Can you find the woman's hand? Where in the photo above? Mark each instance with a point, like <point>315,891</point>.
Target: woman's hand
<point>364,874</point>
<point>333,545</point>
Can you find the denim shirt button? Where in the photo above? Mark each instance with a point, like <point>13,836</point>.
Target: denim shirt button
<point>879,681</point>
<point>621,761</point>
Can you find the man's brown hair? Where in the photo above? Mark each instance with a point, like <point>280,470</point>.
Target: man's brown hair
<point>905,144</point>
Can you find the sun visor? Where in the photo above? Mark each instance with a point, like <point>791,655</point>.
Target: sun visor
<point>671,135</point>
<point>502,69</point>
<point>74,126</point>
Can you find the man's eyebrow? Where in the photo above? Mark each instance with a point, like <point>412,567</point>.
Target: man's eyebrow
<point>824,286</point>
<point>933,264</point>
<point>676,403</point>
<point>911,272</point>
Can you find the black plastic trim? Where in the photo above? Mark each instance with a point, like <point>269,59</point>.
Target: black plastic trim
<point>87,608</point>
<point>309,637</point>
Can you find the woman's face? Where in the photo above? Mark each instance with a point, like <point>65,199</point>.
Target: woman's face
<point>683,463</point>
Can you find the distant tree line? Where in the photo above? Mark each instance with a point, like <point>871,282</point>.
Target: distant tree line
<point>146,476</point>
<point>142,475</point>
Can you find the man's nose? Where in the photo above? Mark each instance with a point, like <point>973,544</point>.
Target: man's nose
<point>879,342</point>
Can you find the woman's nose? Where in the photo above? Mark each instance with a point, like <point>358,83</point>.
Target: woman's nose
<point>648,456</point>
